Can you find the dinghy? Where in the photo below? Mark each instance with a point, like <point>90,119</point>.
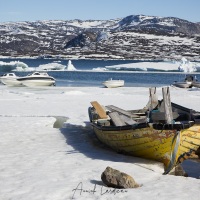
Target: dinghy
<point>161,131</point>
<point>113,83</point>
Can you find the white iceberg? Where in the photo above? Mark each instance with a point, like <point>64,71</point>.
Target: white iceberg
<point>183,66</point>
<point>56,66</point>
<point>145,66</point>
<point>50,67</point>
<point>70,66</point>
<point>12,66</point>
<point>187,66</point>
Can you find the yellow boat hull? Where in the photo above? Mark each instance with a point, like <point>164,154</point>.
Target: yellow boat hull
<point>170,147</point>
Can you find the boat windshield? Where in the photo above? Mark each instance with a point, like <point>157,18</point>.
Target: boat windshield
<point>189,78</point>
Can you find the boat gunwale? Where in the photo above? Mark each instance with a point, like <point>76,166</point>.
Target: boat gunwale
<point>156,126</point>
<point>36,78</point>
<point>118,128</point>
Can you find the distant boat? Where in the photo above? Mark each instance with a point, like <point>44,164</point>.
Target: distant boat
<point>196,84</point>
<point>113,83</point>
<point>37,79</point>
<point>187,83</point>
<point>10,79</point>
<point>161,131</point>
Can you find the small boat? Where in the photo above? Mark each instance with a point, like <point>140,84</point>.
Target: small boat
<point>37,79</point>
<point>196,84</point>
<point>187,83</point>
<point>113,83</point>
<point>161,131</point>
<point>10,79</point>
<point>182,84</point>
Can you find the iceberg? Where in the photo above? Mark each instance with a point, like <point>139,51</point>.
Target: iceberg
<point>145,66</point>
<point>167,66</point>
<point>187,66</point>
<point>70,66</point>
<point>12,66</point>
<point>20,66</point>
<point>56,66</point>
<point>50,67</point>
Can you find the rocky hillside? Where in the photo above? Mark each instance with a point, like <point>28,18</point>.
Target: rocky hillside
<point>133,37</point>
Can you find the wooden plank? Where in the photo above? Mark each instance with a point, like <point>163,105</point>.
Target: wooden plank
<point>115,117</point>
<point>100,110</point>
<point>160,116</point>
<point>103,122</point>
<point>128,120</point>
<point>167,105</point>
<point>119,110</point>
<point>153,99</point>
<point>162,106</point>
<point>138,112</point>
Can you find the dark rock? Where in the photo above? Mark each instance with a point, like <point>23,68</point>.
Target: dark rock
<point>198,152</point>
<point>116,179</point>
<point>179,171</point>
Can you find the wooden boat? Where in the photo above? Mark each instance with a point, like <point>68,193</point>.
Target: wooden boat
<point>161,131</point>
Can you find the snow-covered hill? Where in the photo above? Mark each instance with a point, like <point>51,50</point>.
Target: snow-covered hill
<point>132,37</point>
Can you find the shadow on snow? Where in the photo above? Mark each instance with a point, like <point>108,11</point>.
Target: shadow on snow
<point>83,140</point>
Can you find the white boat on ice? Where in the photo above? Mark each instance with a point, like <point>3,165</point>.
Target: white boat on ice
<point>113,83</point>
<point>187,83</point>
<point>10,79</point>
<point>183,84</point>
<point>37,79</point>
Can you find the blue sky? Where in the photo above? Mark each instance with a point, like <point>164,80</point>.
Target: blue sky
<point>32,10</point>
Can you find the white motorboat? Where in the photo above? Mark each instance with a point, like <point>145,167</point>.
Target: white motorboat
<point>187,83</point>
<point>37,79</point>
<point>113,83</point>
<point>196,84</point>
<point>182,84</point>
<point>10,79</point>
